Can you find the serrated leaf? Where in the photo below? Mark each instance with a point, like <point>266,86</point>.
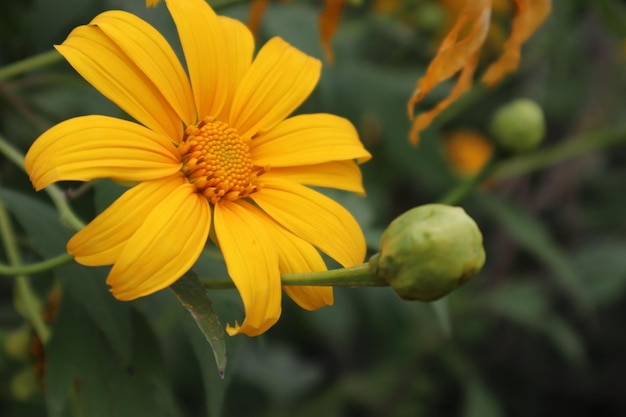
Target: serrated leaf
<point>195,298</point>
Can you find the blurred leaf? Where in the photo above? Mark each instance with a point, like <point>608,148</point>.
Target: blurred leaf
<point>614,15</point>
<point>602,267</point>
<point>106,191</point>
<point>87,284</point>
<point>195,298</point>
<point>82,366</point>
<point>480,401</point>
<point>566,340</point>
<point>534,237</point>
<point>526,304</point>
<point>521,302</point>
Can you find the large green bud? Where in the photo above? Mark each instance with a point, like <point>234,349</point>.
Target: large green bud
<point>429,251</point>
<point>519,126</point>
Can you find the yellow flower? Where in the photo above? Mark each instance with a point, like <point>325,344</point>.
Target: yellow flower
<point>214,154</point>
<point>460,50</point>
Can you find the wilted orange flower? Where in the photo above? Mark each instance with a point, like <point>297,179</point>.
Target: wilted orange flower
<point>214,154</point>
<point>460,49</point>
<point>467,150</point>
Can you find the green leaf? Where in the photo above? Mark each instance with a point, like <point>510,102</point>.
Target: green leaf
<point>602,266</point>
<point>195,298</point>
<point>82,368</point>
<point>480,401</point>
<point>526,304</point>
<point>86,284</point>
<point>533,236</point>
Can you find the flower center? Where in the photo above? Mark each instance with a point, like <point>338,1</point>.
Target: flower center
<point>217,161</point>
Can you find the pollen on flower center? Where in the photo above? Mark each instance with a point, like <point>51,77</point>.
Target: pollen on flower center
<point>217,161</point>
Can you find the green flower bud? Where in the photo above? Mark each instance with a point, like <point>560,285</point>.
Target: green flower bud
<point>24,384</point>
<point>429,251</point>
<point>519,126</point>
<point>17,343</point>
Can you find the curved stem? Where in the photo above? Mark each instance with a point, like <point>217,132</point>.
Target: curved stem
<point>57,195</point>
<point>545,157</point>
<point>38,267</point>
<point>461,191</point>
<point>356,276</point>
<point>29,64</point>
<point>23,291</point>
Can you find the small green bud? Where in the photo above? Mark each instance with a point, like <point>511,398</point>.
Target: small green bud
<point>17,343</point>
<point>429,251</point>
<point>519,126</point>
<point>24,384</point>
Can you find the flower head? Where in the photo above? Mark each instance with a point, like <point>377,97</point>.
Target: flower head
<point>214,154</point>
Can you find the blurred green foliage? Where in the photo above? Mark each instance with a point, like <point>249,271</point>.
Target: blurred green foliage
<point>538,332</point>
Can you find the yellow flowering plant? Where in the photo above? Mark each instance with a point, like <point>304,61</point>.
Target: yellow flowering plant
<point>214,154</point>
<point>217,150</point>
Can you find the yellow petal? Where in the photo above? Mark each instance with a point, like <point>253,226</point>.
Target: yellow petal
<point>308,139</point>
<point>240,50</point>
<point>100,61</point>
<point>101,241</point>
<point>145,46</point>
<point>310,297</point>
<point>328,23</point>
<point>343,175</point>
<point>89,147</point>
<point>279,80</point>
<point>463,84</point>
<point>315,218</point>
<point>296,255</point>
<point>164,247</point>
<point>252,262</point>
<point>217,51</point>
<point>530,15</point>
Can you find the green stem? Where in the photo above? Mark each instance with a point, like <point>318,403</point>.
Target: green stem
<point>36,268</point>
<point>24,293</point>
<point>56,194</point>
<point>462,190</point>
<point>546,157</point>
<point>356,276</point>
<point>30,64</point>
<point>10,152</point>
